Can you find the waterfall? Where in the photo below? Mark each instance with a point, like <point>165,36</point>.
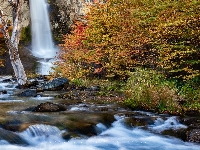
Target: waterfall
<point>42,43</point>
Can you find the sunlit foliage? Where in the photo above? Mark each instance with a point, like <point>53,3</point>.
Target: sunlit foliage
<point>149,90</point>
<point>122,34</point>
<point>71,58</point>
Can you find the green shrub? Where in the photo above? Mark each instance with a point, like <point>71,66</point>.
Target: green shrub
<point>190,91</point>
<point>25,36</point>
<point>149,90</point>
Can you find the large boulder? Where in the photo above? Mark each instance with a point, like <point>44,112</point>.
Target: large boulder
<point>56,84</point>
<point>50,107</point>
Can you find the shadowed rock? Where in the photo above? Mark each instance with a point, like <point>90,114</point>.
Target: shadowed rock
<point>56,84</point>
<point>49,107</point>
<point>28,93</point>
<point>194,135</point>
<point>11,137</point>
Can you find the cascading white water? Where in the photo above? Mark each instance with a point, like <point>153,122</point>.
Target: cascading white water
<point>42,43</point>
<point>118,137</point>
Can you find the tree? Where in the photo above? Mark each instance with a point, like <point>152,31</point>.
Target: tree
<point>124,34</point>
<point>12,41</point>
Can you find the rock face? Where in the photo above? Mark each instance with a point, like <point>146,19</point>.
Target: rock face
<point>63,13</point>
<point>49,107</point>
<point>4,5</point>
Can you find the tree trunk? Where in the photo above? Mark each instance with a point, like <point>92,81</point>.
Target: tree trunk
<point>13,41</point>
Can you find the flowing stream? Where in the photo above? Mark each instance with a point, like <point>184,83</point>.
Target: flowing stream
<point>42,135</point>
<point>119,136</point>
<point>42,43</point>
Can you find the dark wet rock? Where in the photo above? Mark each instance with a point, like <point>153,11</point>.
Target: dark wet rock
<point>50,107</point>
<point>85,128</point>
<point>43,78</point>
<point>189,121</point>
<point>85,123</point>
<point>139,121</point>
<point>11,137</point>
<point>180,133</point>
<point>7,80</point>
<point>18,127</point>
<point>32,84</point>
<point>28,93</point>
<point>40,89</point>
<point>102,108</point>
<point>192,113</point>
<point>3,92</point>
<point>56,84</point>
<point>68,135</point>
<point>194,135</point>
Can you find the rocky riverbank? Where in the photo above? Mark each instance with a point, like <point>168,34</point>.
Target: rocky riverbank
<point>79,110</point>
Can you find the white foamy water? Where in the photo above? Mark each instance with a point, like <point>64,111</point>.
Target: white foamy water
<point>41,134</point>
<point>40,98</point>
<point>9,100</point>
<point>7,86</point>
<point>44,66</point>
<point>171,123</point>
<point>118,137</point>
<point>5,78</point>
<point>42,43</point>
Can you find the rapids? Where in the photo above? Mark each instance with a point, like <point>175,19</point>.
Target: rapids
<point>119,136</point>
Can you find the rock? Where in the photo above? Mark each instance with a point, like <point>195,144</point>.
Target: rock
<point>194,135</point>
<point>189,121</point>
<point>40,89</point>
<point>16,127</point>
<point>68,135</point>
<point>49,107</point>
<point>3,92</point>
<point>178,133</point>
<point>32,83</point>
<point>94,88</point>
<point>192,113</point>
<point>139,121</point>
<point>81,127</point>
<point>56,84</point>
<point>11,137</point>
<point>28,93</point>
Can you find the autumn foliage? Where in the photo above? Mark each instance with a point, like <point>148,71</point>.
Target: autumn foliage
<point>120,35</point>
<point>2,45</point>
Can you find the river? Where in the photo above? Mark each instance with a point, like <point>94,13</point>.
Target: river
<point>42,133</point>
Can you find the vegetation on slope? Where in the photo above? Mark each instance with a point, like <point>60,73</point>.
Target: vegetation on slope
<point>123,35</point>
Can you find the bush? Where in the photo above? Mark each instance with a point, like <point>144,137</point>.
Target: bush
<point>123,34</point>
<point>149,90</point>
<point>25,36</point>
<point>190,91</point>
